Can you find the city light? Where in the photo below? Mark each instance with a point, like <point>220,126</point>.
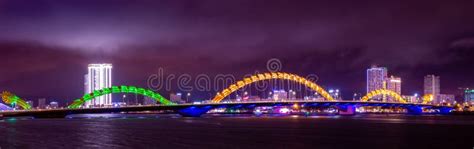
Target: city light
<point>296,106</point>
<point>284,110</point>
<point>395,80</point>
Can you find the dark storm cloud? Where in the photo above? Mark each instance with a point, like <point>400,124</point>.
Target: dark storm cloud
<point>335,39</point>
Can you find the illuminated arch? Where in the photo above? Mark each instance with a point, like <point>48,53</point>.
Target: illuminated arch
<point>13,100</point>
<point>383,92</point>
<point>120,89</point>
<point>267,76</point>
<point>427,98</point>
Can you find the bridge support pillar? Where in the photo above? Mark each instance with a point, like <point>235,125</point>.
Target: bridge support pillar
<point>194,111</point>
<point>415,110</point>
<point>445,110</point>
<point>347,110</point>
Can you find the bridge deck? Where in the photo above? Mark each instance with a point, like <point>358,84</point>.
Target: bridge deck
<point>64,112</point>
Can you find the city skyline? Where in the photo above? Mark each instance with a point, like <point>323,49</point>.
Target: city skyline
<point>377,78</point>
<point>385,84</point>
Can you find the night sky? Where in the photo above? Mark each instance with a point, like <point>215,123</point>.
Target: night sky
<point>46,45</point>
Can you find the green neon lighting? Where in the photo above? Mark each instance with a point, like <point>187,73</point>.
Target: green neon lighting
<point>124,89</point>
<point>120,89</point>
<point>115,89</point>
<point>141,91</point>
<point>106,91</point>
<point>132,89</point>
<point>14,100</point>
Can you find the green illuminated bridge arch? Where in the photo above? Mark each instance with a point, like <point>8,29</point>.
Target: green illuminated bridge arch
<point>120,89</point>
<point>12,99</point>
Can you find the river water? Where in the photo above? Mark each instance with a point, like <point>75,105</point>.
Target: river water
<point>239,131</point>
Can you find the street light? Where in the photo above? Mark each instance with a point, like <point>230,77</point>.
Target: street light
<point>123,99</point>
<point>187,97</point>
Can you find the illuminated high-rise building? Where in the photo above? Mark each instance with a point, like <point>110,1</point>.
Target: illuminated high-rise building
<point>444,99</point>
<point>53,105</point>
<point>280,95</point>
<point>41,103</point>
<point>99,76</point>
<point>432,86</point>
<point>376,78</point>
<point>394,84</point>
<point>176,98</point>
<point>335,94</point>
<point>411,98</point>
<point>469,96</point>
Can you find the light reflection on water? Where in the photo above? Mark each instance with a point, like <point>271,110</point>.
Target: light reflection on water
<point>391,118</point>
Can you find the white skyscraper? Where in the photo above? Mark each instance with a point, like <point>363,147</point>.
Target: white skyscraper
<point>99,76</point>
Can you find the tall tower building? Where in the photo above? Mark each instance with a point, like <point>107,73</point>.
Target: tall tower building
<point>432,86</point>
<point>99,76</point>
<point>376,79</point>
<point>469,96</point>
<point>394,84</point>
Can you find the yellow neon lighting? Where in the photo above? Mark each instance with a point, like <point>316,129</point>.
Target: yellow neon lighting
<point>268,76</point>
<point>427,98</point>
<point>374,93</point>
